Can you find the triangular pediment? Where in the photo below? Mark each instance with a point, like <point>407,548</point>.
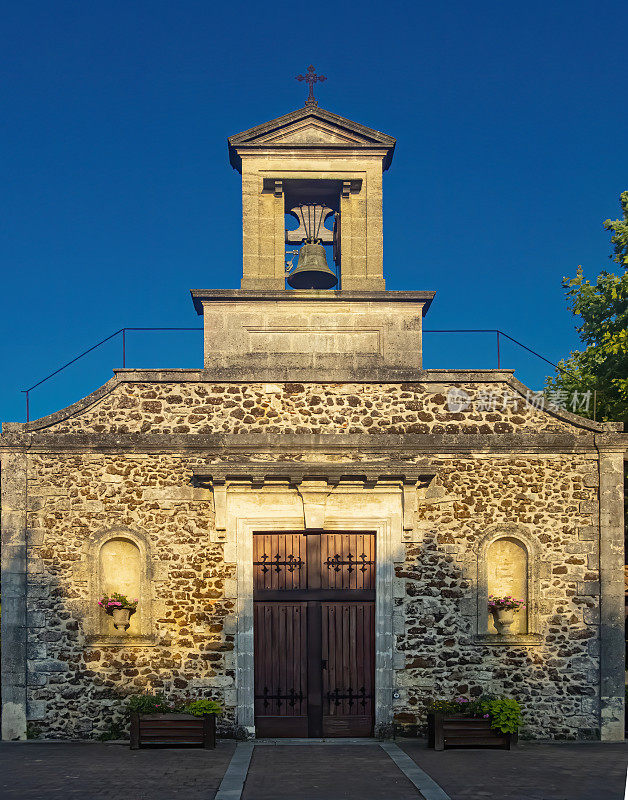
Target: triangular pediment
<point>310,131</point>
<point>311,127</point>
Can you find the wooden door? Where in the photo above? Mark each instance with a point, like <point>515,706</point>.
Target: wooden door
<point>314,632</point>
<point>348,633</point>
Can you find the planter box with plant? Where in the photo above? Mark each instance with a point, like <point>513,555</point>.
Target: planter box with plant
<point>157,723</point>
<point>485,722</point>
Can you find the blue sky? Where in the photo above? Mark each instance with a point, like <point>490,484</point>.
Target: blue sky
<point>117,195</point>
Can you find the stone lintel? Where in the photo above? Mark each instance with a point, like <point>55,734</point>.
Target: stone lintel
<point>313,483</point>
<point>300,472</point>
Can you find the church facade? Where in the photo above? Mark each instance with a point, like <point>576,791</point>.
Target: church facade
<point>313,522</point>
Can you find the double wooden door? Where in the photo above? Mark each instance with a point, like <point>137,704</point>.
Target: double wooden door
<point>314,603</point>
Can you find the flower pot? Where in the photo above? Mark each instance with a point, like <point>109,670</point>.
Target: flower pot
<point>173,730</point>
<point>504,619</point>
<point>121,618</point>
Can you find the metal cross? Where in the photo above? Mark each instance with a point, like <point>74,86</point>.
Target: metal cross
<point>310,78</point>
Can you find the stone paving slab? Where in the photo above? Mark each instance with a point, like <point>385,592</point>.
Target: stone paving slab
<point>530,771</point>
<point>95,771</point>
<point>312,772</point>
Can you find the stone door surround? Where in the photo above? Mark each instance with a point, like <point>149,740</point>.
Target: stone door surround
<point>298,496</point>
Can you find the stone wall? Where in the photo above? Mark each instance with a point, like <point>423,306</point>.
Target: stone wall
<point>76,687</point>
<point>207,408</point>
<point>78,680</point>
<point>556,681</point>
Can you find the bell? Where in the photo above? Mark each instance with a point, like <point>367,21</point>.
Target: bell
<point>312,271</point>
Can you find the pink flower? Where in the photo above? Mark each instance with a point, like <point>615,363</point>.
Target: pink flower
<point>486,716</point>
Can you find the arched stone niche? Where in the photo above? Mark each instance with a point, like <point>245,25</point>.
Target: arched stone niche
<point>507,574</point>
<point>121,572</point>
<point>120,561</point>
<point>508,564</point>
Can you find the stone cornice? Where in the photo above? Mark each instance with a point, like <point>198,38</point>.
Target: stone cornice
<point>199,296</point>
<point>380,445</point>
<point>299,471</point>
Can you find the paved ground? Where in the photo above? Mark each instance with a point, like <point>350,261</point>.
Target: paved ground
<point>530,771</point>
<point>318,772</point>
<point>93,771</point>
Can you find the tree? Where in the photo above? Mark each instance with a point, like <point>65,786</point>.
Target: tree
<point>603,327</point>
<point>619,240</point>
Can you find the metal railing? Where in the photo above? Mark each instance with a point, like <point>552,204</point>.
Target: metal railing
<point>498,334</point>
<point>123,331</point>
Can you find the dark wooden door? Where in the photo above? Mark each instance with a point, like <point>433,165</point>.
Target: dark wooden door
<point>314,605</point>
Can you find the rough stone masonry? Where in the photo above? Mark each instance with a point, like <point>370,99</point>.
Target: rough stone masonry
<point>312,410</point>
<point>74,478</point>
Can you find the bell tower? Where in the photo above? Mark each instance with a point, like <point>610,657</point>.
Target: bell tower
<point>328,317</point>
<point>316,166</point>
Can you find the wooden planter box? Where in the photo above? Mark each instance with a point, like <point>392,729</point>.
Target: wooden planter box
<point>456,730</point>
<point>173,730</point>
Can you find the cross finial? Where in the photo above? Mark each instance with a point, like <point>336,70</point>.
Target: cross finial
<point>310,78</point>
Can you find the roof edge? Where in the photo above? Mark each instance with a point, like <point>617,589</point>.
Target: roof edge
<point>454,377</point>
<point>244,138</point>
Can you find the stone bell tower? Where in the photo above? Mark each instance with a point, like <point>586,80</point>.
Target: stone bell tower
<point>312,156</point>
<point>318,168</point>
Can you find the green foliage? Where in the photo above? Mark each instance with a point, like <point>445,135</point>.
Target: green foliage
<point>113,732</point>
<point>33,731</point>
<point>200,707</point>
<point>149,704</point>
<point>441,706</point>
<point>505,713</point>
<point>460,705</point>
<point>157,704</point>
<point>117,600</point>
<point>602,308</point>
<point>619,239</point>
<point>507,602</point>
